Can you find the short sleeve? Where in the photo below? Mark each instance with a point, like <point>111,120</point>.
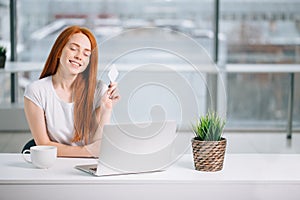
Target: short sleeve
<point>101,88</point>
<point>33,93</point>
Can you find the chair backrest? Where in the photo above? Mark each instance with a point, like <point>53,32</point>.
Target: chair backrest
<point>29,144</point>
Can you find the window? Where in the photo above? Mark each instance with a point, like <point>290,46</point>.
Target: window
<point>257,33</point>
<point>252,32</point>
<point>4,41</point>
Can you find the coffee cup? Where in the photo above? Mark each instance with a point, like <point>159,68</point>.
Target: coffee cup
<point>41,156</point>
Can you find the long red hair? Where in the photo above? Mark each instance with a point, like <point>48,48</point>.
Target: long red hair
<point>85,83</point>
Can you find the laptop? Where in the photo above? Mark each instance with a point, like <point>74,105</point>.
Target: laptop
<point>134,148</point>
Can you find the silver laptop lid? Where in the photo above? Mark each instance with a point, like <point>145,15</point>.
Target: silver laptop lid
<point>137,147</point>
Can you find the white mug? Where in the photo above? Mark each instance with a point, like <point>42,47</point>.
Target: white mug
<point>41,156</point>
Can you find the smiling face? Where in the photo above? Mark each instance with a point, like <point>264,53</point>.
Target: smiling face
<point>75,55</point>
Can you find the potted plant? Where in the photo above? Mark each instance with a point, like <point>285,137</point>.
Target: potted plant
<point>208,144</point>
<point>2,56</point>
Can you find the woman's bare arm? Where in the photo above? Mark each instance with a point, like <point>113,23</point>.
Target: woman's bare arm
<point>103,114</point>
<point>37,124</point>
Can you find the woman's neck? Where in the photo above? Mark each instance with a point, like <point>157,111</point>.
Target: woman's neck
<point>63,87</point>
<point>63,82</point>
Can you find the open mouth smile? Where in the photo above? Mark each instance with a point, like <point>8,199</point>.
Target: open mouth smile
<point>75,63</point>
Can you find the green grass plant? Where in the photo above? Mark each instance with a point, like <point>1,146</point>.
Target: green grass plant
<point>209,127</point>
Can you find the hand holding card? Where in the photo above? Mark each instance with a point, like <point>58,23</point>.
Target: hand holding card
<point>113,74</point>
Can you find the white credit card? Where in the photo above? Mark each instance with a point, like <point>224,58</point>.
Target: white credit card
<point>113,73</point>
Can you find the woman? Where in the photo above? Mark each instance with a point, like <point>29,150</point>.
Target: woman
<point>67,107</point>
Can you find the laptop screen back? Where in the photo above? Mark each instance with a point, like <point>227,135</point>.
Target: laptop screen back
<point>137,147</point>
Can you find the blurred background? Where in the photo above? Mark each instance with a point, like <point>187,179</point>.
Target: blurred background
<point>257,53</point>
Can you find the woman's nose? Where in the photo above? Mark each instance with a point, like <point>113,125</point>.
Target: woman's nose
<point>78,56</point>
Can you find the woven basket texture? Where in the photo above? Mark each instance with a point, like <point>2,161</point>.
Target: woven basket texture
<point>209,155</point>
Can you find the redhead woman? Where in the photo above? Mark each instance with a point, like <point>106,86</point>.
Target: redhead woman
<point>68,107</point>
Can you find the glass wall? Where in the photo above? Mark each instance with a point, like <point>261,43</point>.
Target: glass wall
<point>119,25</point>
<point>5,42</point>
<point>251,32</point>
<point>40,27</point>
<point>261,32</point>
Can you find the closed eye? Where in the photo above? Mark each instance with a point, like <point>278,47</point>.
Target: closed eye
<point>87,54</point>
<point>76,47</point>
<point>73,48</point>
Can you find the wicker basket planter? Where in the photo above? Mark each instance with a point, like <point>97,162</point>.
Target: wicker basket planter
<point>209,155</point>
<point>2,61</point>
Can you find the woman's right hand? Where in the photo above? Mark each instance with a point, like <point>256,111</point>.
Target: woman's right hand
<point>111,97</point>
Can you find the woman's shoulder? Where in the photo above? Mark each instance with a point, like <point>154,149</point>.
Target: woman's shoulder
<point>37,91</point>
<point>43,83</point>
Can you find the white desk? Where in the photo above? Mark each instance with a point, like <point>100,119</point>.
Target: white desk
<point>244,176</point>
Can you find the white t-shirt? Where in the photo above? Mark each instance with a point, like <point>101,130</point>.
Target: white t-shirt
<point>59,115</point>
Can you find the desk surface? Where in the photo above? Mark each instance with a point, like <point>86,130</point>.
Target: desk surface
<point>237,168</point>
<point>244,176</point>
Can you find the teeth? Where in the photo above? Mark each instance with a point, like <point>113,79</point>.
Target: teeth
<point>76,63</point>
